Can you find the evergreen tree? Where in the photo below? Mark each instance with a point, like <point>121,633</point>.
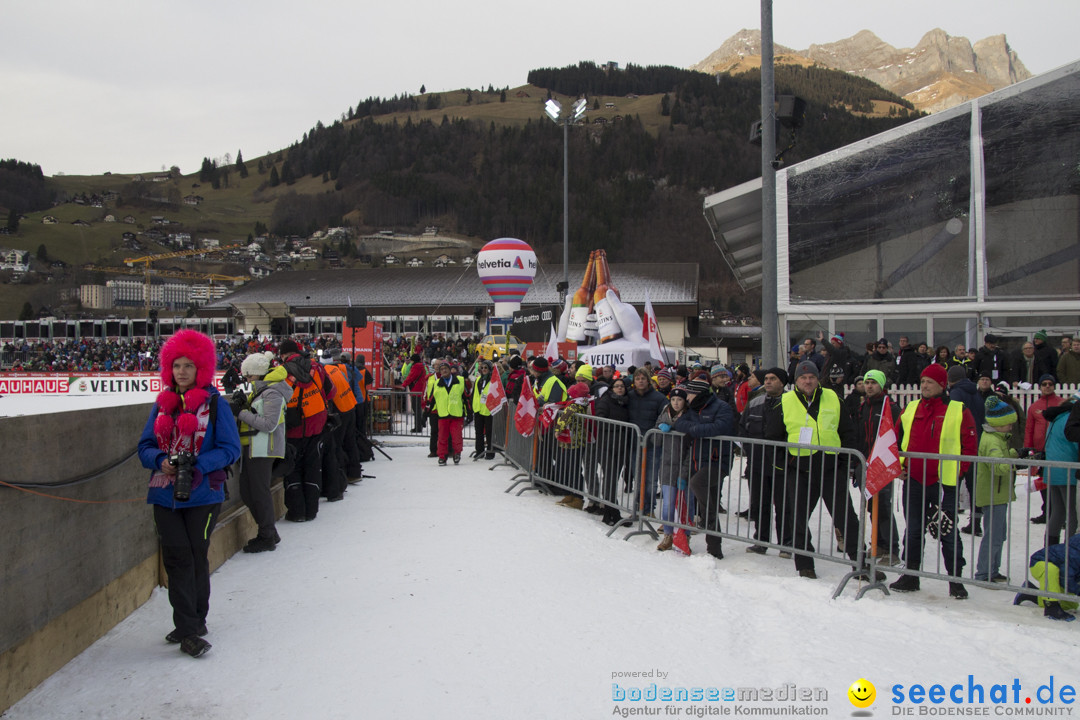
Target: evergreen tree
<point>287,175</point>
<point>262,168</point>
<point>274,179</point>
<point>240,167</point>
<point>12,220</point>
<point>665,105</point>
<point>27,312</point>
<point>43,253</point>
<point>423,89</point>
<point>502,96</point>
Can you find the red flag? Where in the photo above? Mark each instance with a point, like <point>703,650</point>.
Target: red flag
<point>525,415</point>
<point>495,397</point>
<point>883,465</point>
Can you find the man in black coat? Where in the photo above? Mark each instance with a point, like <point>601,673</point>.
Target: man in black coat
<point>645,405</point>
<point>990,359</point>
<point>867,423</point>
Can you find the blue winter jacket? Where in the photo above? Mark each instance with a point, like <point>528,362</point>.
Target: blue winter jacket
<point>1057,447</point>
<point>966,392</point>
<point>220,449</point>
<point>715,418</point>
<point>1056,554</point>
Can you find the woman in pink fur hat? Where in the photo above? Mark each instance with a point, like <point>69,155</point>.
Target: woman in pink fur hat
<point>188,442</point>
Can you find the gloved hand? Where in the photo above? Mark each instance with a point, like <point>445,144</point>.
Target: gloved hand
<point>680,484</point>
<point>664,427</point>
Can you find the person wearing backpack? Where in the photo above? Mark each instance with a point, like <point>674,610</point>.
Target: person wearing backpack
<point>346,403</point>
<point>262,435</point>
<point>305,418</point>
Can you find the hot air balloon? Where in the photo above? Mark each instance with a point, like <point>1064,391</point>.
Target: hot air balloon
<point>506,267</point>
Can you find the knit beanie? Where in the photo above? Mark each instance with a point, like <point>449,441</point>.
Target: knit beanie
<point>1041,335</point>
<point>937,373</point>
<point>540,363</point>
<point>578,390</point>
<point>1047,377</point>
<point>719,369</point>
<point>877,376</point>
<point>257,364</point>
<point>288,347</point>
<point>806,367</point>
<point>697,387</point>
<point>956,373</point>
<point>559,366</point>
<point>515,362</point>
<point>677,391</point>
<point>584,373</point>
<point>999,412</point>
<point>780,373</point>
<point>760,375</point>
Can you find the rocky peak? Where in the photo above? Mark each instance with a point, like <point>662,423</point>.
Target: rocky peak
<point>941,71</point>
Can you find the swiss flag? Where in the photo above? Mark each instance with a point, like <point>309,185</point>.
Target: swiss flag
<point>525,415</point>
<point>883,466</point>
<point>495,397</point>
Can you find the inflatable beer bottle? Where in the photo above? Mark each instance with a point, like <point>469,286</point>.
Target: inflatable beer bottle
<point>606,324</point>
<point>581,304</point>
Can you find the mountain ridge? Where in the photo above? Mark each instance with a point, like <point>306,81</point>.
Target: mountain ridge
<point>941,71</point>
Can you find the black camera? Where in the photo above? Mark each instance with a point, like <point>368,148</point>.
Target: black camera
<point>184,462</point>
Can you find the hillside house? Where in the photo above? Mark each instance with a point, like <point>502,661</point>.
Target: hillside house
<point>259,271</point>
<point>110,218</point>
<point>415,262</point>
<point>49,220</point>
<point>193,200</point>
<point>390,259</point>
<point>209,243</point>
<point>129,219</point>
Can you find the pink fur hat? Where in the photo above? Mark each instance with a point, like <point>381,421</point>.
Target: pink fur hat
<point>199,349</point>
<point>196,347</point>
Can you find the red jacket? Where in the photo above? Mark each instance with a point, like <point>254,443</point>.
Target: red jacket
<point>925,437</point>
<point>417,380</point>
<point>1035,430</point>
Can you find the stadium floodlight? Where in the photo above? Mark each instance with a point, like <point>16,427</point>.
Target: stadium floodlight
<point>578,110</point>
<point>553,110</point>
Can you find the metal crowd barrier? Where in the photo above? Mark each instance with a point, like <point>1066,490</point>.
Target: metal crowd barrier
<point>999,557</point>
<point>398,412</point>
<point>811,507</point>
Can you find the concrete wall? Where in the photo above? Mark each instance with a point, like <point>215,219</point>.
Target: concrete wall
<point>77,560</point>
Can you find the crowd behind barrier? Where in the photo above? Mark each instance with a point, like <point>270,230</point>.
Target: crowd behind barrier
<point>807,502</point>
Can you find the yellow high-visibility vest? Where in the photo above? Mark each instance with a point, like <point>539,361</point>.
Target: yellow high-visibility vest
<point>825,427</point>
<point>949,444</point>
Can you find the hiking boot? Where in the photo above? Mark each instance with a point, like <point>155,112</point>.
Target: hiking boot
<point>973,528</point>
<point>594,509</point>
<point>174,636</point>
<point>442,461</point>
<point>295,518</point>
<point>259,544</point>
<point>745,514</point>
<point>665,543</point>
<point>1054,611</point>
<point>721,510</point>
<point>565,500</point>
<point>1022,597</point>
<point>194,646</point>
<point>906,583</point>
<point>808,573</point>
<point>575,503</point>
<point>757,549</point>
<point>457,458</point>
<point>1040,520</point>
<point>999,578</point>
<point>958,591</point>
<point>432,455</point>
<point>785,555</point>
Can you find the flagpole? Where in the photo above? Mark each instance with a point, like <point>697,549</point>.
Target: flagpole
<point>876,503</point>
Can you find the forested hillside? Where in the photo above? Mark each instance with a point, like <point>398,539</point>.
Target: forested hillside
<point>637,194</point>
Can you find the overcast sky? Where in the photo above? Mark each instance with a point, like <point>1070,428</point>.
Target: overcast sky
<point>132,86</point>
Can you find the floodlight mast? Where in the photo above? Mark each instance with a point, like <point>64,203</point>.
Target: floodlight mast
<point>553,109</point>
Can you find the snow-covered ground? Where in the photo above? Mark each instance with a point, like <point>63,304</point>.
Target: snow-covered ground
<point>429,592</point>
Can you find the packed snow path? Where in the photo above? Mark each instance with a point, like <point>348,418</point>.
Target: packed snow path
<point>429,592</point>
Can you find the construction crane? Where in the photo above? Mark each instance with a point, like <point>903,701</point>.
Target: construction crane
<point>148,272</point>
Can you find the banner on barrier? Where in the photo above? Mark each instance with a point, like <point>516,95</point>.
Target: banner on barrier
<point>104,383</point>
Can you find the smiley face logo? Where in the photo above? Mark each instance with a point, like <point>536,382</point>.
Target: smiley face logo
<point>862,693</point>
